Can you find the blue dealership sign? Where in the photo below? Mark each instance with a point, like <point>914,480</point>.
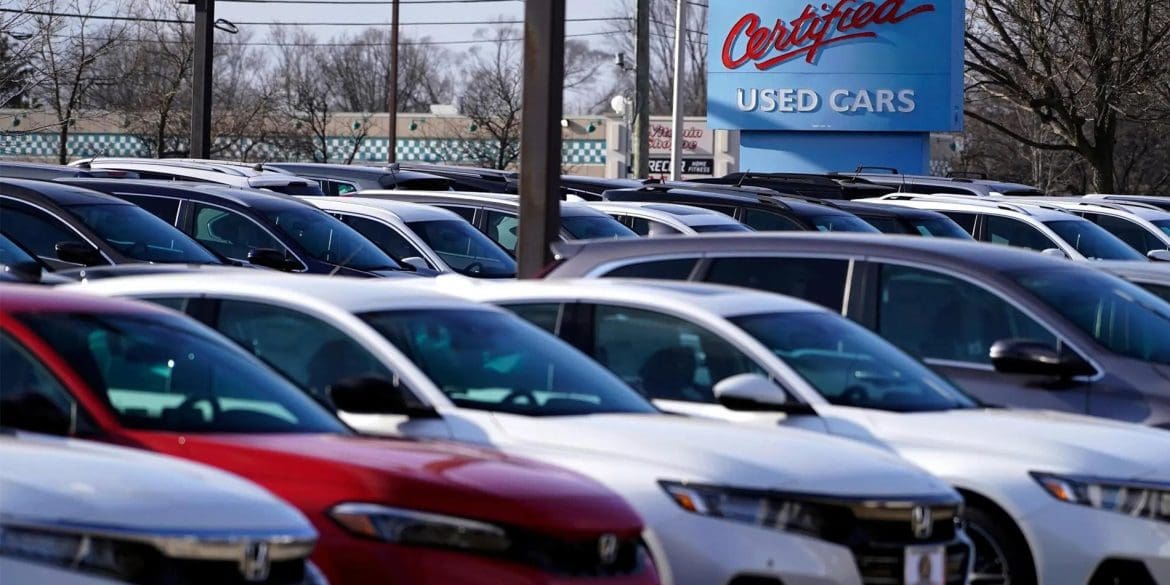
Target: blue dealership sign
<point>836,65</point>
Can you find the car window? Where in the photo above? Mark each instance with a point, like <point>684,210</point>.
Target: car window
<point>385,237</point>
<point>886,225</point>
<point>467,213</point>
<point>1163,224</point>
<point>819,280</point>
<point>162,372</point>
<point>841,223</point>
<point>1013,232</point>
<point>325,238</point>
<point>547,316</point>
<point>939,227</point>
<point>721,227</point>
<point>591,227</point>
<point>965,220</point>
<point>766,221</point>
<point>307,350</point>
<point>677,269</point>
<point>1093,242</point>
<point>465,249</point>
<point>662,356</point>
<point>164,208</point>
<point>230,233</point>
<point>933,315</point>
<point>724,209</point>
<point>1131,233</point>
<point>503,229</point>
<point>136,233</point>
<point>31,398</point>
<point>495,361</point>
<point>34,229</point>
<point>335,188</point>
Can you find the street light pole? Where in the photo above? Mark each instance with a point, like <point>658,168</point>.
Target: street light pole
<point>641,146</point>
<point>392,95</point>
<point>680,39</point>
<point>201,82</point>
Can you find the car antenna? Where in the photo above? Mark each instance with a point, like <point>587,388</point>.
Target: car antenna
<point>258,167</point>
<point>739,183</point>
<point>394,167</point>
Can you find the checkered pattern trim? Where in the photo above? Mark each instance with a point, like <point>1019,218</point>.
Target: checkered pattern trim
<point>18,145</point>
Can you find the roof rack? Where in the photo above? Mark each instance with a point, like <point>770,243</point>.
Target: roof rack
<point>968,200</point>
<point>969,175</point>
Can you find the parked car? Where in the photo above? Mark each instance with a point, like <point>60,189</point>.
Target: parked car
<point>758,211</point>
<point>428,238</point>
<point>477,374</point>
<point>47,172</point>
<point>71,227</point>
<point>807,185</point>
<point>890,219</point>
<point>764,359</point>
<point>1143,227</point>
<point>591,188</point>
<point>1022,224</point>
<point>1012,327</point>
<point>337,180</point>
<point>267,229</point>
<point>79,512</point>
<point>424,512</point>
<point>1161,202</point>
<point>668,219</point>
<point>1152,277</point>
<point>498,216</point>
<point>470,178</point>
<point>203,171</point>
<point>977,185</point>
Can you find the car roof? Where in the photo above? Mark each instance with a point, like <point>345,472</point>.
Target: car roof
<point>685,214</point>
<point>499,200</point>
<point>197,191</point>
<point>370,172</point>
<point>727,301</point>
<point>1134,208</point>
<point>943,251</point>
<point>405,211</point>
<point>58,193</point>
<point>23,298</point>
<point>718,195</point>
<point>897,178</point>
<point>950,202</point>
<point>877,208</point>
<point>1157,272</point>
<point>214,171</point>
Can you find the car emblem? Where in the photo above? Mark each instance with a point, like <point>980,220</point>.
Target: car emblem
<point>255,564</point>
<point>922,522</point>
<point>607,548</point>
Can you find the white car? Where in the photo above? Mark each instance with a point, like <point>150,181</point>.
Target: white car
<point>1144,227</point>
<point>722,503</point>
<point>426,237</point>
<point>233,175</point>
<point>81,513</point>
<point>668,219</point>
<point>1051,498</point>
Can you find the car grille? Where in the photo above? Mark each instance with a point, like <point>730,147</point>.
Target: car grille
<point>578,558</point>
<point>192,572</point>
<point>884,565</point>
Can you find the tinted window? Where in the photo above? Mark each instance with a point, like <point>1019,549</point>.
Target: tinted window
<point>965,220</point>
<point>334,188</point>
<point>1120,316</point>
<point>11,254</point>
<point>30,397</point>
<point>937,316</point>
<point>160,372</point>
<point>34,229</point>
<point>1093,242</point>
<point>547,316</point>
<point>849,365</point>
<point>308,351</point>
<point>386,238</point>
<point>662,356</point>
<point>679,269</point>
<point>136,233</point>
<point>1133,234</point>
<point>724,209</point>
<point>721,227</point>
<point>465,249</point>
<point>503,229</point>
<point>164,208</point>
<point>230,233</point>
<point>1161,291</point>
<point>590,227</point>
<point>325,238</point>
<point>886,225</point>
<point>819,280</point>
<point>1013,232</point>
<point>494,361</point>
<point>842,223</point>
<point>938,228</point>
<point>766,221</point>
<point>1164,225</point>
<point>467,213</point>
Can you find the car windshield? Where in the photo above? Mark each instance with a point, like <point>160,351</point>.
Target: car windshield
<point>1092,241</point>
<point>589,227</point>
<point>139,234</point>
<point>465,249</point>
<point>327,239</point>
<point>938,228</point>
<point>159,372</point>
<point>721,227</point>
<point>1163,224</point>
<point>850,365</point>
<point>1121,316</point>
<point>842,223</point>
<point>489,360</point>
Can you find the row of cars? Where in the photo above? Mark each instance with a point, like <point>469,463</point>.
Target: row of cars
<point>838,459</point>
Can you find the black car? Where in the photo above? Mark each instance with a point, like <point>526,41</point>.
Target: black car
<point>804,184</point>
<point>890,219</point>
<point>71,227</point>
<point>47,172</point>
<point>337,180</point>
<point>591,188</point>
<point>261,227</point>
<point>470,178</point>
<point>758,211</point>
<point>1011,326</point>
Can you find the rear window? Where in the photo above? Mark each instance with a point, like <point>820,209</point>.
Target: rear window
<point>677,269</point>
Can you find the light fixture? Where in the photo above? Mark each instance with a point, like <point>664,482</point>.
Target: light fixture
<point>472,127</point>
<point>591,127</point>
<point>564,123</point>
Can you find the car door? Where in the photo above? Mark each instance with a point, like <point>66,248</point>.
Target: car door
<point>951,322</point>
<point>231,233</point>
<point>1008,231</point>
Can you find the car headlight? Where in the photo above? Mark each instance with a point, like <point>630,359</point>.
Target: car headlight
<point>412,527</point>
<point>764,509</point>
<point>1133,498</point>
<point>75,551</point>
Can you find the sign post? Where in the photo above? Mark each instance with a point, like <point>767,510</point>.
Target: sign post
<point>201,79</point>
<point>680,40</point>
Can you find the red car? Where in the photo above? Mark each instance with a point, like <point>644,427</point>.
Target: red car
<point>388,511</point>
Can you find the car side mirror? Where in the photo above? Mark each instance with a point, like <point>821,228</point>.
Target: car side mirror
<point>1159,255</point>
<point>78,253</point>
<point>373,395</point>
<point>416,263</point>
<point>269,258</point>
<point>1056,252</point>
<point>1036,358</point>
<point>750,392</point>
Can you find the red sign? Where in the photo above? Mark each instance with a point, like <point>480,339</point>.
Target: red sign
<point>811,32</point>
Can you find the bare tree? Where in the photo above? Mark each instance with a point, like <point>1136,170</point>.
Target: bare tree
<point>359,67</point>
<point>1082,68</point>
<point>491,99</point>
<point>19,34</point>
<point>304,96</point>
<point>662,57</point>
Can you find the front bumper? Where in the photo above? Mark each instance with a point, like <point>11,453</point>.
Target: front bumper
<point>1069,542</point>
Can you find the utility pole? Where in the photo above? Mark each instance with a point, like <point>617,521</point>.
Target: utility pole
<point>201,82</point>
<point>680,39</point>
<point>540,133</point>
<point>641,146</point>
<point>392,95</point>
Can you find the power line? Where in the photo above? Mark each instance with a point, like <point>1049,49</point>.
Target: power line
<point>370,2</point>
<point>335,43</point>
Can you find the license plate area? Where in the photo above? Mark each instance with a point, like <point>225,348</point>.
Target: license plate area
<point>925,565</point>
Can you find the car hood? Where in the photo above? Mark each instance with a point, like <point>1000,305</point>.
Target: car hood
<point>433,476</point>
<point>1044,440</point>
<point>685,449</point>
<point>73,482</point>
